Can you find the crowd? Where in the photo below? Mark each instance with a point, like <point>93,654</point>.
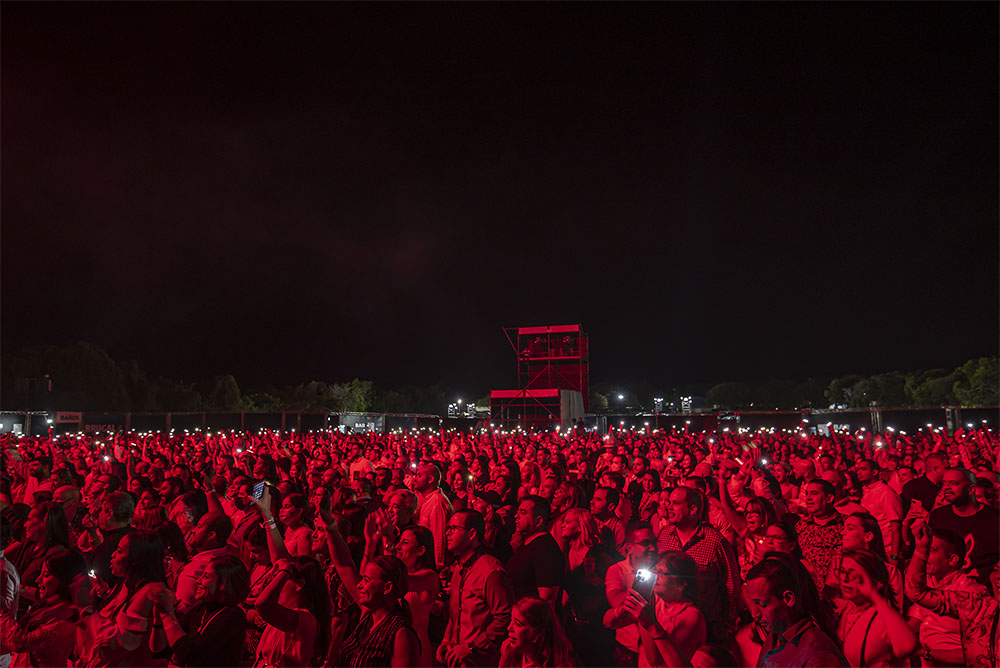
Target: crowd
<point>489,548</point>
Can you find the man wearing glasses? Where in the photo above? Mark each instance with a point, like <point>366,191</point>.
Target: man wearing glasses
<point>481,596</point>
<point>640,552</point>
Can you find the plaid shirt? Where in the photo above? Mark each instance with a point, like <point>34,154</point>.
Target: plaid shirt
<point>720,589</point>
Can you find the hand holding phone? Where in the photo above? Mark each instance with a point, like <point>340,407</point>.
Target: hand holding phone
<point>643,583</point>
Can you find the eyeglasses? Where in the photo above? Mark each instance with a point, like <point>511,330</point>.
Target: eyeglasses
<point>645,543</point>
<point>455,527</point>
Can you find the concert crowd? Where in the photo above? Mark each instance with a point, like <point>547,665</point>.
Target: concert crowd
<point>501,548</point>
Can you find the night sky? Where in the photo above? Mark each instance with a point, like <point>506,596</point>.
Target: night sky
<point>328,191</point>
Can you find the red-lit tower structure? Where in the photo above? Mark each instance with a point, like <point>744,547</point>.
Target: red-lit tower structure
<point>553,377</point>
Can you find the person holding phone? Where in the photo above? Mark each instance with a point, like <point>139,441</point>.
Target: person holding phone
<point>625,602</point>
<point>676,617</point>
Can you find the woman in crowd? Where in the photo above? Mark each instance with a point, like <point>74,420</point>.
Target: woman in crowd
<point>536,638</point>
<point>675,616</point>
<point>415,548</point>
<point>750,525</point>
<point>461,489</point>
<point>861,532</point>
<point>294,515</point>
<point>781,537</point>
<point>584,601</point>
<point>383,635</point>
<point>295,606</point>
<point>568,495</point>
<point>47,634</point>
<point>650,501</point>
<point>215,629</point>
<point>46,533</point>
<point>258,557</point>
<point>872,630</point>
<point>121,633</point>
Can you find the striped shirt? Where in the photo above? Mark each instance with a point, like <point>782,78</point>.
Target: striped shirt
<point>369,647</point>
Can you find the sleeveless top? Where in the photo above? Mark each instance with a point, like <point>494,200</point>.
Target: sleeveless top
<point>368,647</point>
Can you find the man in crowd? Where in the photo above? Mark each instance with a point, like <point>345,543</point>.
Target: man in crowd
<point>719,586</point>
<point>821,530</point>
<point>435,508</point>
<point>884,505</point>
<point>794,639</point>
<point>940,635</point>
<point>39,473</point>
<point>602,506</point>
<point>978,524</point>
<point>208,541</point>
<point>640,552</point>
<point>480,599</point>
<point>538,566</point>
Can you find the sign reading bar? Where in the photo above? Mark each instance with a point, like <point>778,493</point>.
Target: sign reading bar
<point>65,416</point>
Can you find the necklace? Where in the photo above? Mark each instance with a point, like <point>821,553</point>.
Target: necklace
<point>851,619</point>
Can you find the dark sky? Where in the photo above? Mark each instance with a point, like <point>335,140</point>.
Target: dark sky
<point>289,192</point>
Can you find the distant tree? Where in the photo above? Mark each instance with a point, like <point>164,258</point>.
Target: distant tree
<point>729,395</point>
<point>264,400</point>
<point>173,395</point>
<point>976,382</point>
<point>889,389</point>
<point>810,393</point>
<point>392,401</point>
<point>83,376</point>
<point>841,390</point>
<point>354,396</point>
<point>141,392</point>
<point>222,394</point>
<point>598,402</point>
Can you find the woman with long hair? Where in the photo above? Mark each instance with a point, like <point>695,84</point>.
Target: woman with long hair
<point>651,488</point>
<point>584,601</point>
<point>47,634</point>
<point>461,488</point>
<point>415,548</point>
<point>861,532</point>
<point>120,633</point>
<point>294,515</point>
<point>46,533</point>
<point>872,630</point>
<point>216,628</point>
<point>782,537</point>
<point>536,638</point>
<point>750,524</point>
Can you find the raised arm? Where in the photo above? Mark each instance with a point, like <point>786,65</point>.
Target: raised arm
<point>267,605</point>
<point>275,541</point>
<point>340,553</point>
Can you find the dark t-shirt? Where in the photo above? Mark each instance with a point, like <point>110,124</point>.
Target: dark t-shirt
<point>540,563</point>
<point>982,536</point>
<point>921,489</point>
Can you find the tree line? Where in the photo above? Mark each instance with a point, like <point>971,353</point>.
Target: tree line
<point>974,383</point>
<point>83,376</point>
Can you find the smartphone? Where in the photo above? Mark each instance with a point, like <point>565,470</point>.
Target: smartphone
<point>258,490</point>
<point>92,574</point>
<point>643,583</point>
